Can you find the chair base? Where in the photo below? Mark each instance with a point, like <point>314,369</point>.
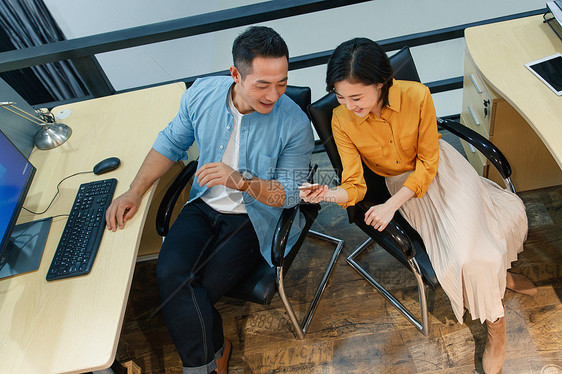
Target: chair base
<point>300,328</point>
<point>423,326</point>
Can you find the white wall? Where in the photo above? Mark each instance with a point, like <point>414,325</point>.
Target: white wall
<point>304,34</point>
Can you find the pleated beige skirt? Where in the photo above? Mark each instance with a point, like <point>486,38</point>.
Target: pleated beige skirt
<point>472,230</point>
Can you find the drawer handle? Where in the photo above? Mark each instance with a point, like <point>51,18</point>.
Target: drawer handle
<point>475,83</point>
<point>472,149</point>
<point>473,115</point>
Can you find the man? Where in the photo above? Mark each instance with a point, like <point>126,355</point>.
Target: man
<point>255,146</point>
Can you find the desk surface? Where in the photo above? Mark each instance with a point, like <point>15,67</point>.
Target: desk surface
<point>73,325</point>
<point>500,51</point>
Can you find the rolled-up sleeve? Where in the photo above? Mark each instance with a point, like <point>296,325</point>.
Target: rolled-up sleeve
<point>427,158</point>
<point>293,163</point>
<point>352,175</point>
<point>178,136</point>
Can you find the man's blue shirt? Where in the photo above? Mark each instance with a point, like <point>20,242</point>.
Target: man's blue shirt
<point>276,146</point>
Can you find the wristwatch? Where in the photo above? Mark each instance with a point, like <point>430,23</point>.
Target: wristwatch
<point>247,177</point>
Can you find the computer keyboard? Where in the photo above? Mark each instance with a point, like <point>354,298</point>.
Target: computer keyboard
<point>82,234</point>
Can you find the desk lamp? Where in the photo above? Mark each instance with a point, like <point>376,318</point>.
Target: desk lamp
<point>51,135</point>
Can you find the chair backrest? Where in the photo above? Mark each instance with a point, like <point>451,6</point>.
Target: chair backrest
<point>300,95</point>
<point>403,65</point>
<point>320,111</point>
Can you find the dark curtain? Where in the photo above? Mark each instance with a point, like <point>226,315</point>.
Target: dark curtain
<point>27,23</point>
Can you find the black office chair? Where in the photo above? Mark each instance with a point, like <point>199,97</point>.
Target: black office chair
<point>260,285</point>
<point>399,238</point>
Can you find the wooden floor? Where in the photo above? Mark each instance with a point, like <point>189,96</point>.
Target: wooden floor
<point>355,330</point>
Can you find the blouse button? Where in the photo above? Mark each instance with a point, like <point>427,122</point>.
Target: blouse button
<point>396,161</point>
<point>391,141</point>
<point>228,127</point>
<point>221,147</point>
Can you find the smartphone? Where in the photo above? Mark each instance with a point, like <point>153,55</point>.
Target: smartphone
<point>311,187</point>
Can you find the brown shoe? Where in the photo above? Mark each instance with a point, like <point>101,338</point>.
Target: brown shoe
<point>494,353</point>
<point>520,283</point>
<point>222,363</point>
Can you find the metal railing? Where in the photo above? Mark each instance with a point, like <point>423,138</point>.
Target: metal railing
<point>81,51</point>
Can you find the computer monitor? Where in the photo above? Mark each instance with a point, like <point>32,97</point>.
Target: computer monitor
<point>16,174</point>
<point>21,246</point>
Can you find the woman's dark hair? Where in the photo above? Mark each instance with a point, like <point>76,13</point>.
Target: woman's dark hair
<point>360,60</point>
<point>257,41</point>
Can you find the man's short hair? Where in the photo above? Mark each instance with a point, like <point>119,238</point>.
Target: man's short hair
<point>257,41</point>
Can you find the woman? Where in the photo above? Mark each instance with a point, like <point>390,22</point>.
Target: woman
<point>472,228</point>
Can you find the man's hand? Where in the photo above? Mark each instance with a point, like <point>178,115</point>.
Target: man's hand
<point>219,173</point>
<point>122,209</point>
<point>125,206</point>
<point>379,216</point>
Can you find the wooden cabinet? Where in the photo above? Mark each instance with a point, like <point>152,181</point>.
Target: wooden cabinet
<point>487,113</point>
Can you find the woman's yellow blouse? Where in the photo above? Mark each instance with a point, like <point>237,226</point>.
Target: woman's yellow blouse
<point>403,138</point>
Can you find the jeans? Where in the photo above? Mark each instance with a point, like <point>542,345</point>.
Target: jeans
<point>204,255</point>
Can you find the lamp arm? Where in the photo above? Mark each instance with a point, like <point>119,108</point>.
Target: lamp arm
<point>8,105</point>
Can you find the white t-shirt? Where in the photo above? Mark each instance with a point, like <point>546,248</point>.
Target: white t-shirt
<point>221,198</point>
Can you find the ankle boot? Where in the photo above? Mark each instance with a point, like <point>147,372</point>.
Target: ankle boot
<point>494,353</point>
<point>222,363</point>
<point>520,283</point>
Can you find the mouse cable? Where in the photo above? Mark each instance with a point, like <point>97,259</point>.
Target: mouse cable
<point>60,215</point>
<point>58,185</point>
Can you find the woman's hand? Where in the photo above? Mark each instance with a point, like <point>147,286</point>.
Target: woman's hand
<point>314,195</point>
<point>380,215</point>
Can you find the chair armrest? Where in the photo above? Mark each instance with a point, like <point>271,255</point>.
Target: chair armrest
<point>171,197</point>
<point>281,234</point>
<point>488,149</point>
<point>402,240</point>
<point>393,231</point>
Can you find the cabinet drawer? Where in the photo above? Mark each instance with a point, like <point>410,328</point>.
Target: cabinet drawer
<point>478,161</point>
<point>478,98</point>
<point>469,121</point>
<point>475,159</point>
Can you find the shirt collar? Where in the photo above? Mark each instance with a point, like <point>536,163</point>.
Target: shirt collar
<point>230,103</point>
<point>393,103</point>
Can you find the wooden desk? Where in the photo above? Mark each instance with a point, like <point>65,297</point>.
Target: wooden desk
<point>73,325</point>
<point>532,135</point>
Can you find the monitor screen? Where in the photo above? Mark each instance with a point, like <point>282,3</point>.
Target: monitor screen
<point>16,174</point>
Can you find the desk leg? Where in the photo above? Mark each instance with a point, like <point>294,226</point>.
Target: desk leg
<point>128,367</point>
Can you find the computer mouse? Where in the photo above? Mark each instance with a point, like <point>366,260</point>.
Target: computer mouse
<point>106,165</point>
